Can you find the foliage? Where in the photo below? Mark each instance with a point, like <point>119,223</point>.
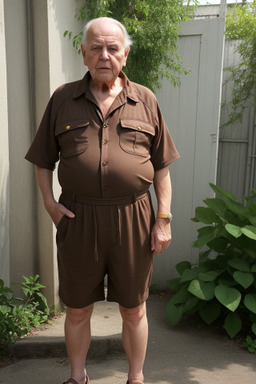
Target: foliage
<point>241,24</point>
<point>240,19</point>
<point>153,27</point>
<point>18,316</point>
<point>221,287</point>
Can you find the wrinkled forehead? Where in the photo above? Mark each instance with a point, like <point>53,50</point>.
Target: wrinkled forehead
<point>101,30</point>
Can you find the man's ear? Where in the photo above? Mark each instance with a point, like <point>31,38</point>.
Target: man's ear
<point>84,53</point>
<point>127,50</point>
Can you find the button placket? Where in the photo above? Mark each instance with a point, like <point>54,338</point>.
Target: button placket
<point>104,157</point>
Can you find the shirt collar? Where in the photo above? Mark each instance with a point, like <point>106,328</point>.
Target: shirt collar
<point>82,87</point>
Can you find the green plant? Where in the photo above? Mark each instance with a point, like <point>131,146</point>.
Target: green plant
<point>153,27</point>
<point>241,24</point>
<point>10,328</point>
<point>221,286</point>
<point>32,291</point>
<point>19,315</point>
<point>250,344</point>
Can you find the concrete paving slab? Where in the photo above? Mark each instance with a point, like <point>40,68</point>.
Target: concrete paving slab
<point>183,354</point>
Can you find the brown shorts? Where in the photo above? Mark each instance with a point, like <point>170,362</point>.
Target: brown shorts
<point>105,238</point>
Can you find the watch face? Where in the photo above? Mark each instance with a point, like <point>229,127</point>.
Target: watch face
<point>169,216</point>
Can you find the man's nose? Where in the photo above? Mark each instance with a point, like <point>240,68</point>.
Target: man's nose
<point>104,54</point>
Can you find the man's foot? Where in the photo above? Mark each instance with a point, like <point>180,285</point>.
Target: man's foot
<point>73,381</point>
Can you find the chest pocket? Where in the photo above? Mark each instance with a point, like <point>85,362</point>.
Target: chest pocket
<point>136,137</point>
<point>72,137</point>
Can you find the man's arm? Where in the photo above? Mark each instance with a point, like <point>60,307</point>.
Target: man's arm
<point>55,210</point>
<point>161,232</point>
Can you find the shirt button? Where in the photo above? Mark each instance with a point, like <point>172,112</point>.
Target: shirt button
<point>68,127</point>
<point>104,163</point>
<point>105,141</point>
<point>105,125</point>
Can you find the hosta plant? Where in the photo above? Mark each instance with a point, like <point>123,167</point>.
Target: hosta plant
<point>221,287</point>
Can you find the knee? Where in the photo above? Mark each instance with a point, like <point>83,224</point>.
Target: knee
<point>133,315</point>
<point>79,315</point>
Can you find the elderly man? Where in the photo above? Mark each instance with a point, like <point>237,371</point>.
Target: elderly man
<point>111,141</point>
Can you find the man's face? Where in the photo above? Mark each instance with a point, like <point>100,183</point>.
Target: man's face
<point>104,53</point>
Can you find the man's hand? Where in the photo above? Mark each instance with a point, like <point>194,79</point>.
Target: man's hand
<point>57,211</point>
<point>160,236</point>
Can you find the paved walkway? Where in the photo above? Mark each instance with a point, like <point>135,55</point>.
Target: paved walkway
<point>179,355</point>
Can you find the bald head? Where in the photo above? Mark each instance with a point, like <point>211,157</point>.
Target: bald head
<point>126,38</point>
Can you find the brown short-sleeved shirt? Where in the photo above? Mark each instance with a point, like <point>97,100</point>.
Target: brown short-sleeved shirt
<point>103,157</point>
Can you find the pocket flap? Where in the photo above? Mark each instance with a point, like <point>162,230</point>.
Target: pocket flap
<point>138,125</point>
<point>70,126</point>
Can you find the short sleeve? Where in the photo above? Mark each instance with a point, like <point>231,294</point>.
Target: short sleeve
<point>163,151</point>
<point>44,150</point>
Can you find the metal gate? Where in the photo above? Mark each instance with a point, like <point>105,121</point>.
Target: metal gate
<point>192,114</point>
<point>237,149</point>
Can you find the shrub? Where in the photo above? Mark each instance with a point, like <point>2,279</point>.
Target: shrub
<point>221,287</point>
<point>18,316</point>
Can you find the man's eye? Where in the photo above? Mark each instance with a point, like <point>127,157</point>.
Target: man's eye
<point>112,49</point>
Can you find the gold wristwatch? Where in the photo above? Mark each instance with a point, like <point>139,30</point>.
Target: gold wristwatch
<point>162,215</point>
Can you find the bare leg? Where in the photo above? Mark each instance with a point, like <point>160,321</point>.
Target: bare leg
<point>78,339</point>
<point>135,337</point>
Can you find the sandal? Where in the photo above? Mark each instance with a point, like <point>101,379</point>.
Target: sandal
<point>73,381</point>
<point>127,382</point>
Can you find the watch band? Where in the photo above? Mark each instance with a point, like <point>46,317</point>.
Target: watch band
<point>162,215</point>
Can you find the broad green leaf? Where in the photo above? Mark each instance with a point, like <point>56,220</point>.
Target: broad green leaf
<point>237,208</point>
<point>239,264</point>
<point>253,268</point>
<point>227,296</point>
<point>249,231</point>
<point>174,284</point>
<point>180,267</point>
<point>234,230</point>
<point>233,324</point>
<point>254,328</point>
<point>206,215</point>
<point>218,244</point>
<point>244,244</point>
<point>250,302</point>
<point>210,312</point>
<point>173,313</point>
<point>217,205</point>
<point>189,274</point>
<point>181,296</point>
<point>243,278</point>
<point>205,235</point>
<point>208,276</point>
<point>190,304</point>
<point>202,290</point>
<point>252,219</point>
<point>221,192</point>
<point>252,317</point>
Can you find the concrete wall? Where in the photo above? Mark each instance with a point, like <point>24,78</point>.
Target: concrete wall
<point>37,60</point>
<point>4,160</point>
<point>22,202</point>
<point>55,62</point>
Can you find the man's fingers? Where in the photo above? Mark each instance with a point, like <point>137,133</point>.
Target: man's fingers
<point>69,214</point>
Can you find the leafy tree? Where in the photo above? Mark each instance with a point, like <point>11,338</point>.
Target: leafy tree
<point>153,26</point>
<point>241,24</point>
